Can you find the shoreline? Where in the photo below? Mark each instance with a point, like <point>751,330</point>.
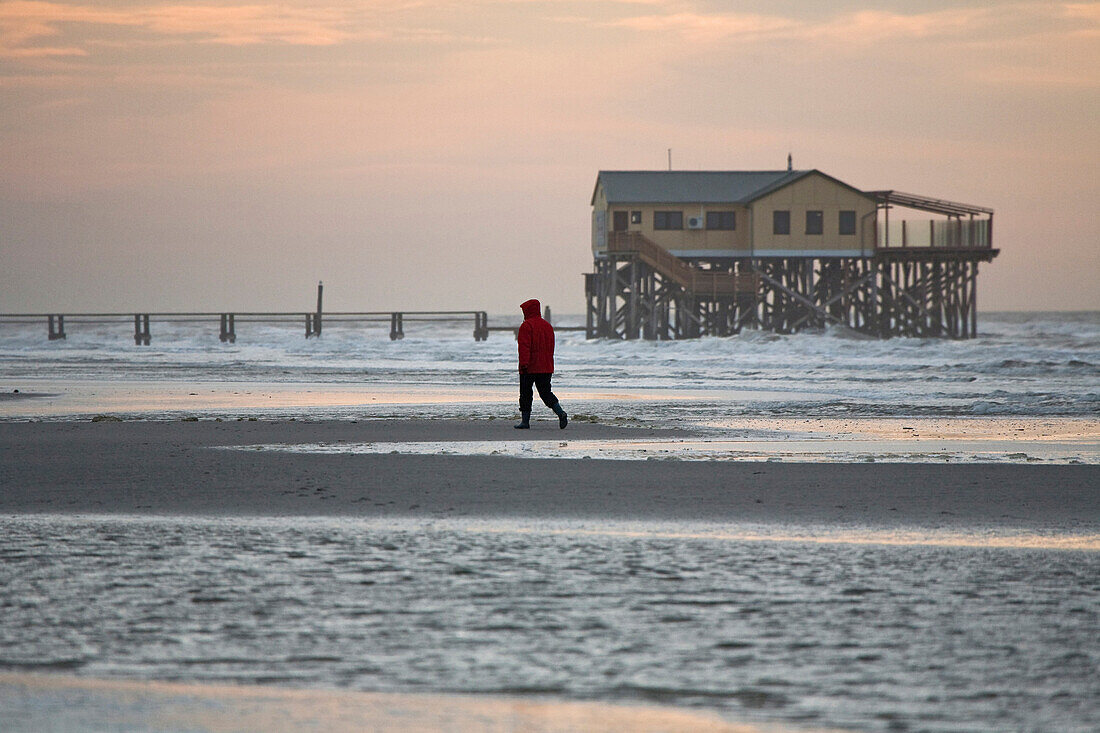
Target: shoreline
<point>182,468</point>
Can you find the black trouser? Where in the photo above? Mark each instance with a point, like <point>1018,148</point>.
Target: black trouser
<point>542,381</point>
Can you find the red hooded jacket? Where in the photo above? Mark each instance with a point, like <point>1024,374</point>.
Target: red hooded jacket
<point>536,341</point>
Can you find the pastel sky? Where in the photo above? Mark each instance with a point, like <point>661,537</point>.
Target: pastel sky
<point>441,153</point>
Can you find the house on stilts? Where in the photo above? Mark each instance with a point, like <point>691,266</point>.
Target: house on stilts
<point>682,254</point>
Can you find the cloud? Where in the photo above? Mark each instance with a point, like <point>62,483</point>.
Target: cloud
<point>864,25</point>
<point>34,28</point>
<point>26,28</point>
<point>874,25</point>
<point>251,24</point>
<point>1089,13</point>
<point>870,26</point>
<point>705,27</point>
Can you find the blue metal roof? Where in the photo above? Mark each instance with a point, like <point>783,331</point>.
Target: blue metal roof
<point>691,187</point>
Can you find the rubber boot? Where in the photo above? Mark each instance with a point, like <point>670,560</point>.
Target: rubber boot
<point>525,424</point>
<point>563,419</point>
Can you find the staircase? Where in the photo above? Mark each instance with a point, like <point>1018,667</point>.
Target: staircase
<point>695,282</point>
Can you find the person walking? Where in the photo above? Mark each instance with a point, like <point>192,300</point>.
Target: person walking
<point>536,364</point>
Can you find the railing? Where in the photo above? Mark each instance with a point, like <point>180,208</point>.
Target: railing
<point>940,233</point>
<point>692,279</point>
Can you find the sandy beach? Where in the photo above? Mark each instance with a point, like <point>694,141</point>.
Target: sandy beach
<point>229,484</point>
<point>184,467</point>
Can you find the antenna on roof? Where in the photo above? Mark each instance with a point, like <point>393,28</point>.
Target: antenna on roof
<point>670,158</point>
<point>790,162</point>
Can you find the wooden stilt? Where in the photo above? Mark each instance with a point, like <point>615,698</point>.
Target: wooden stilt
<point>921,292</point>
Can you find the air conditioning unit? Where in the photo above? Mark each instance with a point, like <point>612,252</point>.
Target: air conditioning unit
<point>695,222</point>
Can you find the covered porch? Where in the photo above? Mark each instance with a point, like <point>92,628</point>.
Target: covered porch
<point>956,226</point>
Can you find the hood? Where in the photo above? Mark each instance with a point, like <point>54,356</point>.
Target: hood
<point>531,309</point>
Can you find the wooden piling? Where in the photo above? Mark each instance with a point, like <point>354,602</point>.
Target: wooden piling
<point>57,332</point>
<point>397,327</point>
<point>142,337</point>
<point>481,326</point>
<point>313,320</point>
<point>228,331</point>
<point>919,292</point>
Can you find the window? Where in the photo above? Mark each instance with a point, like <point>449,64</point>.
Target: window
<point>781,222</point>
<point>815,222</point>
<point>847,222</point>
<point>635,217</point>
<point>721,220</point>
<point>668,220</point>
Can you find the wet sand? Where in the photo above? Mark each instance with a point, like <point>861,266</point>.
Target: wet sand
<point>181,467</point>
<point>17,396</point>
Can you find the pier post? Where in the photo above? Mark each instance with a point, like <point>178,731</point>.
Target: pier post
<point>142,336</point>
<point>59,331</point>
<point>397,327</point>
<point>313,320</point>
<point>481,326</point>
<point>228,329</point>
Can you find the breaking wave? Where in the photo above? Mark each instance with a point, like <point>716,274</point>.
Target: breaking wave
<point>1021,364</point>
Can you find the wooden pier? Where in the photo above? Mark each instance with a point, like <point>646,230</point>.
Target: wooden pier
<point>227,323</point>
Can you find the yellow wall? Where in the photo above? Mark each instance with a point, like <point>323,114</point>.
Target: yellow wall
<point>689,239</point>
<point>682,240</point>
<point>814,192</point>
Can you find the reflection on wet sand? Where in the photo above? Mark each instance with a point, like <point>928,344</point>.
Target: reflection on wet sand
<point>800,625</point>
<point>62,703</point>
<point>824,535</point>
<point>776,446</point>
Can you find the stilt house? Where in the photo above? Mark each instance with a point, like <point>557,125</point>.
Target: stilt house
<point>680,254</point>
